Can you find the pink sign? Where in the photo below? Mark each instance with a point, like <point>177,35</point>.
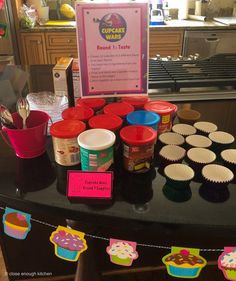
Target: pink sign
<point>112,40</point>
<point>90,184</point>
<point>1,4</point>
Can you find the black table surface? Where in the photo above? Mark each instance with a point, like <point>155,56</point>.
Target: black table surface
<point>136,198</point>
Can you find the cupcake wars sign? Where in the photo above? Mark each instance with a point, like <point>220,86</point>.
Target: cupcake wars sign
<point>112,40</point>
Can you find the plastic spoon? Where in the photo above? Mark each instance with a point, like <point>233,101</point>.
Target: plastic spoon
<point>23,110</point>
<point>6,117</point>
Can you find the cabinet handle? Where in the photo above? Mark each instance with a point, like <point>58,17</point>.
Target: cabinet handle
<point>69,41</point>
<point>39,42</point>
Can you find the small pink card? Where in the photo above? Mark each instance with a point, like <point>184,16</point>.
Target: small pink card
<point>84,184</point>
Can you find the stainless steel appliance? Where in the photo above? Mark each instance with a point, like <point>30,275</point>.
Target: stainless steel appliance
<point>191,78</point>
<point>8,45</point>
<point>208,43</point>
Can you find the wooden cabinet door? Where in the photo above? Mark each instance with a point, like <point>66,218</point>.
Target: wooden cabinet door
<point>34,48</point>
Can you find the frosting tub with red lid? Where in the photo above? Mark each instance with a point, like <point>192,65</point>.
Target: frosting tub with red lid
<point>121,109</point>
<point>81,113</point>
<point>136,101</point>
<point>95,103</point>
<point>64,137</point>
<point>138,147</point>
<point>166,112</point>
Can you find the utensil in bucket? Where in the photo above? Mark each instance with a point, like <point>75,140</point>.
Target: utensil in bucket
<point>29,142</point>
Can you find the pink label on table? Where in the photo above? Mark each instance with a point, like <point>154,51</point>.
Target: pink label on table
<point>112,40</point>
<point>89,184</point>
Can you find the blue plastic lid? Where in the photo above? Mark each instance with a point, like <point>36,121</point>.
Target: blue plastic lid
<point>143,117</point>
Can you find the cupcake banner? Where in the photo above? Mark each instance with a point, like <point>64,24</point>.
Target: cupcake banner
<point>16,223</point>
<point>122,252</point>
<point>227,263</point>
<point>69,244</point>
<point>184,262</point>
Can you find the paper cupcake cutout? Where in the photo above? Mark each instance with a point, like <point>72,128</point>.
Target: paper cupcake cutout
<point>184,262</point>
<point>122,252</point>
<point>68,243</point>
<point>227,263</point>
<point>16,223</point>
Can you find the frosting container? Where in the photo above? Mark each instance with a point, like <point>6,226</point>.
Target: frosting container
<point>136,101</point>
<point>95,103</point>
<point>145,118</point>
<point>96,146</point>
<point>121,109</point>
<point>64,137</point>
<point>107,121</point>
<point>81,113</point>
<point>138,147</point>
<point>165,110</point>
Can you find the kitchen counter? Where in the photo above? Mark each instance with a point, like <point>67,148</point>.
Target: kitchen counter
<point>170,25</point>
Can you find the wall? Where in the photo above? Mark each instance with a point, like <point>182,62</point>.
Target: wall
<point>215,8</point>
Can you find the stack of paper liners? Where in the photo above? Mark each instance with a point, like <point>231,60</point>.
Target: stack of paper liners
<point>62,79</point>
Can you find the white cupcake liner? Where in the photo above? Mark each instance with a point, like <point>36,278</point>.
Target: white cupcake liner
<point>179,172</point>
<point>217,174</point>
<point>171,138</point>
<point>201,155</point>
<point>198,141</point>
<point>205,127</point>
<point>172,153</point>
<point>184,129</point>
<point>229,156</point>
<point>221,137</point>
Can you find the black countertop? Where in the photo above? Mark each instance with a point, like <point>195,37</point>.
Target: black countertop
<point>137,198</point>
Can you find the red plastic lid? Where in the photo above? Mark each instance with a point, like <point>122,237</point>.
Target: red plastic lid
<point>160,106</point>
<point>82,113</point>
<point>138,135</point>
<point>137,101</point>
<point>106,121</point>
<point>92,103</point>
<point>67,129</point>
<point>120,108</point>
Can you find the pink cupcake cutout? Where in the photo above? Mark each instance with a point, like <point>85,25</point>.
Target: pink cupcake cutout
<point>227,263</point>
<point>122,252</point>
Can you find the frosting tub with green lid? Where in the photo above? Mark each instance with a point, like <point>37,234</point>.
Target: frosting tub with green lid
<point>96,148</point>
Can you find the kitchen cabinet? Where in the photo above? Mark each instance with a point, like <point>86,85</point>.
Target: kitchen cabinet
<point>34,48</point>
<point>166,43</point>
<point>60,45</point>
<point>48,47</point>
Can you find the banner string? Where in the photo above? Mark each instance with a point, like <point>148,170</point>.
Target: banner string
<point>107,239</point>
